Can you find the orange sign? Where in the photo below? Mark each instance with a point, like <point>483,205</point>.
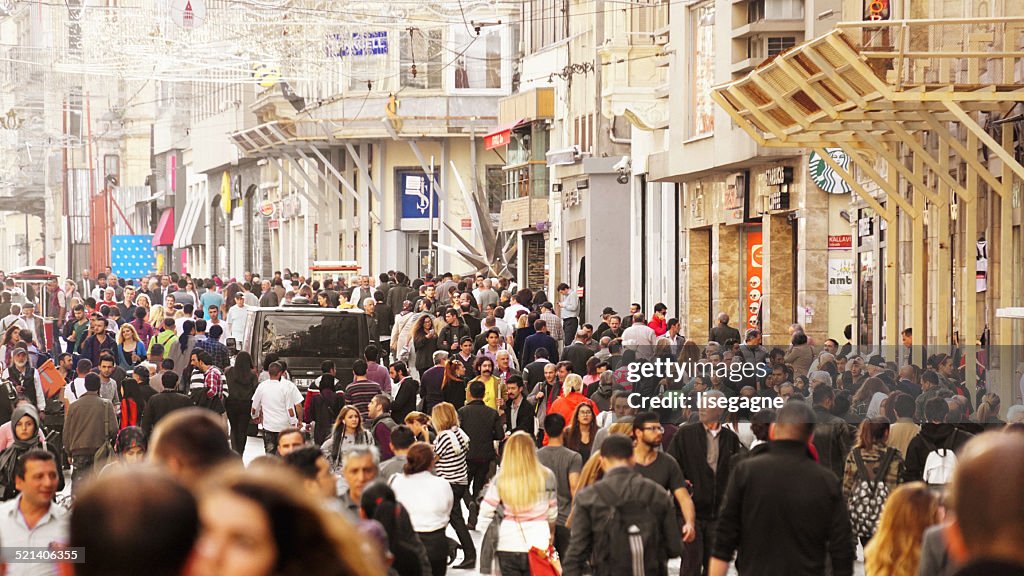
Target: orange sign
<point>754,284</point>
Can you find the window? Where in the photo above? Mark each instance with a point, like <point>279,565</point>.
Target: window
<point>421,59</point>
<point>546,21</point>
<point>495,188</point>
<point>478,61</point>
<point>703,26</point>
<point>784,10</point>
<point>778,45</point>
<point>367,59</point>
<point>310,336</point>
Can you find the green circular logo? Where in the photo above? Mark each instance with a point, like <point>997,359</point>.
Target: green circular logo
<point>824,176</point>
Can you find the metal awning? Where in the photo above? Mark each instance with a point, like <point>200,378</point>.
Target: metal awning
<point>500,136</point>
<point>188,232</point>
<point>165,229</point>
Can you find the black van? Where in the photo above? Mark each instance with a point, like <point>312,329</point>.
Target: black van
<point>305,336</point>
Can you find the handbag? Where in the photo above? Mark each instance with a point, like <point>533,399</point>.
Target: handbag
<point>105,452</point>
<point>544,562</point>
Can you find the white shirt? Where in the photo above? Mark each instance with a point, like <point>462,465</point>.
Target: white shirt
<point>237,316</point>
<point>510,313</point>
<point>426,497</point>
<point>75,390</point>
<point>52,528</point>
<point>275,398</point>
<point>640,337</point>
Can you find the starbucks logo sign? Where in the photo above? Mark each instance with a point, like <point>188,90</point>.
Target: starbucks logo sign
<point>824,176</point>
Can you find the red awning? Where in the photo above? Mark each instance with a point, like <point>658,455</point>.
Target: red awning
<point>500,136</point>
<point>165,229</point>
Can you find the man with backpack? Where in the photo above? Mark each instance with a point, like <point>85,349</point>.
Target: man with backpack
<point>932,454</point>
<point>623,525</point>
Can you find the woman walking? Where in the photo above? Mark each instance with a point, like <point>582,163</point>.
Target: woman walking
<point>452,446</point>
<point>241,379</point>
<point>348,433</point>
<point>429,501</point>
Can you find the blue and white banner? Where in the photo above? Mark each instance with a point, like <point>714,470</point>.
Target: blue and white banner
<point>417,196</point>
<point>132,257</point>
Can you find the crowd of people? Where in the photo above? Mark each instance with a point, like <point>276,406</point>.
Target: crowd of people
<point>480,404</point>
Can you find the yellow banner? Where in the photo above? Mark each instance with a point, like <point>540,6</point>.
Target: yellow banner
<point>225,193</point>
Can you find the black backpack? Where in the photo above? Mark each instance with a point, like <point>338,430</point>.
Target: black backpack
<point>628,543</point>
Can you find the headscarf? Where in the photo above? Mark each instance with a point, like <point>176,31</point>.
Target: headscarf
<point>327,393</point>
<point>129,438</point>
<point>33,442</point>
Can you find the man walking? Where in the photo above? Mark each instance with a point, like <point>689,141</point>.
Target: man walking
<point>566,465</point>
<point>32,519</point>
<point>783,491</point>
<point>622,520</point>
<point>277,404</point>
<point>483,425</point>
<point>723,333</point>
<point>90,422</point>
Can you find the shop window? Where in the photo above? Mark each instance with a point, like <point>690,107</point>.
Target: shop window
<point>478,63</point>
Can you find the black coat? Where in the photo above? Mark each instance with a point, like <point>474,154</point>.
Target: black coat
<point>533,373</point>
<point>578,354</point>
<point>689,447</point>
<point>405,399</point>
<point>525,417</point>
<point>784,491</point>
<point>483,425</point>
<point>535,342</point>
<point>832,440</point>
<point>591,513</point>
<point>931,437</point>
<point>723,334</point>
<point>160,405</point>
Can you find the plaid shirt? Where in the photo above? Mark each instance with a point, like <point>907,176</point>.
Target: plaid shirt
<point>217,351</point>
<point>214,380</point>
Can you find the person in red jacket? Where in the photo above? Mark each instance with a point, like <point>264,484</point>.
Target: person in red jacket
<point>658,321</point>
<point>572,396</point>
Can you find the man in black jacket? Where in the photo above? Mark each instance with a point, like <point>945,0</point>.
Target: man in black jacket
<point>453,332</point>
<point>162,404</point>
<point>578,354</point>
<point>782,511</point>
<point>533,373</point>
<point>621,488</point>
<point>832,438</point>
<point>536,341</point>
<point>405,390</point>
<point>935,434</point>
<point>483,425</point>
<point>518,412</point>
<point>723,333</point>
<point>692,446</point>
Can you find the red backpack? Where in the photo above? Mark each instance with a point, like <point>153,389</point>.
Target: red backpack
<point>129,413</point>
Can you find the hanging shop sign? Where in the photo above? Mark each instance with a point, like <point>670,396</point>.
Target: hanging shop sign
<point>824,176</point>
<point>267,208</point>
<point>755,271</point>
<point>419,199</point>
<point>875,10</point>
<point>779,175</point>
<point>840,241</point>
<point>840,276</point>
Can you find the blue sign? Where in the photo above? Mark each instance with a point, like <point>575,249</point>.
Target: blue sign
<point>132,257</point>
<point>417,195</point>
<point>359,44</point>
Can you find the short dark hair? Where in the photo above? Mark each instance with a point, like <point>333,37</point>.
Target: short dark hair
<point>167,364</point>
<point>194,436</point>
<point>34,455</point>
<point>136,522</point>
<point>169,380</point>
<point>62,355</point>
<point>107,357</point>
<point>371,353</point>
<point>304,461</point>
<point>515,380</point>
<point>359,367</point>
<point>326,366</point>
<point>904,405</point>
<point>92,382</point>
<point>216,331</point>
<point>200,325</point>
<point>821,393</point>
<point>289,431</point>
<point>204,357</point>
<point>400,367</point>
<point>156,349</point>
<point>384,400</point>
<point>84,366</point>
<point>936,410</point>
<point>660,307</point>
<point>402,437</point>
<point>642,419</point>
<point>617,447</point>
<point>554,425</point>
<point>798,414</point>
<point>541,352</point>
<point>476,389</point>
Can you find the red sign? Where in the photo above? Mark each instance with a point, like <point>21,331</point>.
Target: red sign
<point>876,10</point>
<point>273,223</point>
<point>755,271</point>
<point>840,241</point>
<point>498,139</point>
<point>467,223</point>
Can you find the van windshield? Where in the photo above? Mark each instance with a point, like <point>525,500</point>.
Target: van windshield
<point>311,336</point>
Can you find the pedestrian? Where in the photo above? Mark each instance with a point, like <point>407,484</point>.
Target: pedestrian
<point>347,434</point>
<point>421,428</point>
<point>401,439</point>
<point>493,392</point>
<point>32,520</point>
<point>931,455</point>
<point>260,522</point>
<point>191,444</point>
<point>870,462</point>
<point>484,427</point>
<point>317,479</point>
<point>526,491</point>
<point>517,412</point>
<point>605,514</point>
<point>241,381</point>
<point>429,500</point>
<point>359,468</point>
<point>163,403</point>
<point>784,491</point>
<point>571,397</point>
<point>362,390</point>
<point>23,380</point>
<point>90,423</point>
<point>582,430</point>
<point>25,430</point>
<point>405,388</point>
<point>129,449</point>
<point>381,424</point>
<point>577,353</point>
<point>452,448</point>
<point>135,393</point>
<point>322,409</point>
<point>895,550</point>
<point>568,309</point>
<point>424,341</point>
<point>566,464</point>
<point>988,507</point>
<point>276,404</point>
<point>453,387</point>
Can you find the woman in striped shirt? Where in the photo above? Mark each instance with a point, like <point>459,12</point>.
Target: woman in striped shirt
<point>527,490</point>
<point>451,447</point>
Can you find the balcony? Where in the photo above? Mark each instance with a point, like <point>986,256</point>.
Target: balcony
<point>522,213</point>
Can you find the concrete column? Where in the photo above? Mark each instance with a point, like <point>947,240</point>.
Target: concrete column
<point>727,272</point>
<point>812,264</point>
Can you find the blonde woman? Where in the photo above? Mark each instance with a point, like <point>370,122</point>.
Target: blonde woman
<point>527,490</point>
<point>896,548</point>
<point>589,475</point>
<point>130,349</point>
<point>419,423</point>
<point>988,411</point>
<point>452,448</point>
<point>156,317</point>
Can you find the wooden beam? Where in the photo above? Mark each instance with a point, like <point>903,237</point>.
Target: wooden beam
<point>1006,272</point>
<point>782,101</point>
<point>892,191</point>
<point>892,158</point>
<point>849,91</point>
<point>861,67</point>
<point>968,156</point>
<point>942,172</point>
<point>738,118</point>
<point>985,138</point>
<point>756,111</point>
<point>798,77</point>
